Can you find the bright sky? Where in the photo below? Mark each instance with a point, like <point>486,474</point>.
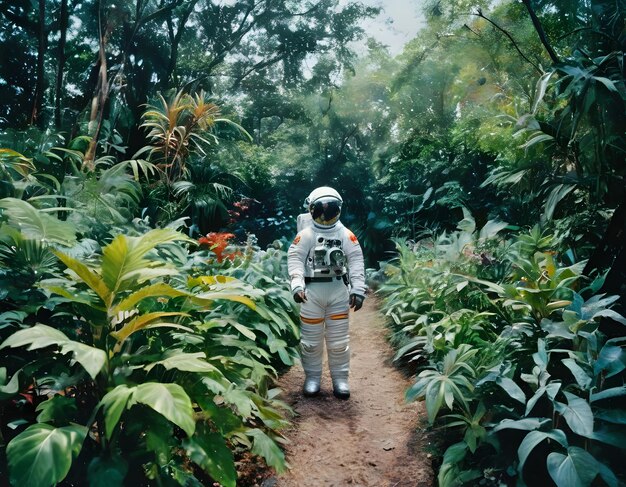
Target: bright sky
<point>397,24</point>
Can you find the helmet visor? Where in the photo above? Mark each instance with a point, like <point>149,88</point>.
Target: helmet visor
<point>326,211</point>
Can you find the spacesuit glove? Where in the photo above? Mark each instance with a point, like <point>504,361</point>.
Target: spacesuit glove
<point>298,295</point>
<point>356,301</point>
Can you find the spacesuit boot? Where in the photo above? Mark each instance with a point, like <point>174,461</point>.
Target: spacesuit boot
<point>337,344</point>
<point>311,354</point>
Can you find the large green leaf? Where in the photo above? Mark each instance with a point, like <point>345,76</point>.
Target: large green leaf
<point>58,409</point>
<point>37,225</point>
<point>577,413</point>
<point>88,276</point>
<point>122,259</point>
<point>241,400</point>
<point>616,416</point>
<point>527,424</point>
<point>532,439</point>
<point>41,336</point>
<point>611,393</point>
<point>611,361</point>
<point>42,455</point>
<point>512,389</point>
<point>114,403</point>
<point>187,362</point>
<point>582,377</point>
<point>576,469</point>
<point>153,290</point>
<point>267,448</point>
<point>210,452</point>
<point>559,192</point>
<point>140,322</point>
<point>170,400</point>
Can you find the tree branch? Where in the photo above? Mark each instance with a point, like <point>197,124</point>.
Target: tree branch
<point>260,65</point>
<point>482,16</point>
<point>162,11</point>
<point>541,32</point>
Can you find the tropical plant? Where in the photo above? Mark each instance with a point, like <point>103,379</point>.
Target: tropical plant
<point>533,365</point>
<point>142,369</point>
<point>179,127</point>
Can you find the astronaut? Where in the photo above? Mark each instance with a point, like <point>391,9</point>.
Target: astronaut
<point>325,264</point>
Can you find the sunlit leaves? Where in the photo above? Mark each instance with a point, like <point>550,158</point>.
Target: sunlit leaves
<point>170,400</point>
<point>42,336</point>
<point>36,224</point>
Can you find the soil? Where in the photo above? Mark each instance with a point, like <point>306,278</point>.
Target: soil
<point>373,439</point>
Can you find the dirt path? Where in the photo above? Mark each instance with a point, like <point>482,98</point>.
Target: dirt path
<point>371,440</point>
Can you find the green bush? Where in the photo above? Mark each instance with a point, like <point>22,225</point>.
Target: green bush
<point>519,373</point>
<point>146,364</point>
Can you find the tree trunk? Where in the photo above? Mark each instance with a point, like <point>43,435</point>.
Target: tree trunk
<point>60,64</point>
<point>40,77</point>
<point>97,104</point>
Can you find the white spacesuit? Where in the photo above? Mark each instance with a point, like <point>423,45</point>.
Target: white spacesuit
<point>327,273</point>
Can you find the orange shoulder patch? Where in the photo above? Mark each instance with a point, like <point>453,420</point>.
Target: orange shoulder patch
<point>352,237</point>
<point>296,240</point>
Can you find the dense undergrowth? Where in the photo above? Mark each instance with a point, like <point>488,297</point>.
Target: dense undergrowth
<point>146,357</point>
<point>520,359</point>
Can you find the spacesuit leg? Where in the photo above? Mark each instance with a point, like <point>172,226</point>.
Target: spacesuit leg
<point>312,341</point>
<point>338,341</point>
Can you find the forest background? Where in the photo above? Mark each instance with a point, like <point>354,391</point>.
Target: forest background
<point>122,118</point>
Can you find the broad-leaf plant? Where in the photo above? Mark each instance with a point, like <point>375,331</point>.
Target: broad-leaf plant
<point>137,362</point>
<point>525,373</point>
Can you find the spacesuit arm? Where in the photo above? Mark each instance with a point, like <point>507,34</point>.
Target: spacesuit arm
<point>296,259</point>
<point>354,255</point>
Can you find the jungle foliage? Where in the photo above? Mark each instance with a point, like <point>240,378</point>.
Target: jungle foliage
<point>154,153</point>
<point>521,359</point>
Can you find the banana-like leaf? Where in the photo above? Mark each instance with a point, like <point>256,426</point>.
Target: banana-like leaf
<point>559,192</point>
<point>88,276</point>
<point>159,289</point>
<point>169,400</point>
<point>41,456</point>
<point>187,362</point>
<point>123,259</point>
<point>141,322</point>
<point>210,296</point>
<point>540,90</point>
<point>536,139</point>
<point>491,228</point>
<point>42,336</point>
<point>37,225</point>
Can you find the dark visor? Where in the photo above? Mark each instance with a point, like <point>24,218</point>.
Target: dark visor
<point>325,210</point>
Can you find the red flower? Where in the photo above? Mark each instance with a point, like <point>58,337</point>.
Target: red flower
<point>217,242</point>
